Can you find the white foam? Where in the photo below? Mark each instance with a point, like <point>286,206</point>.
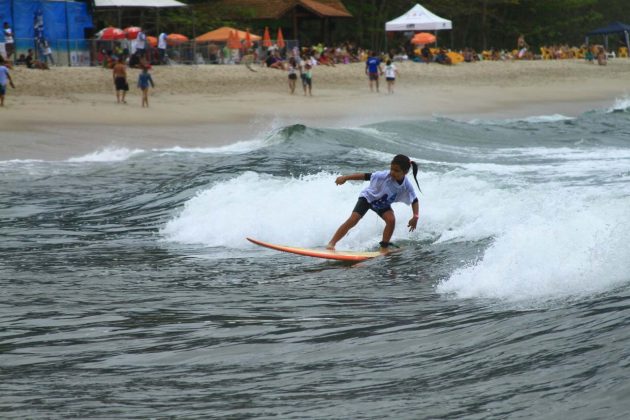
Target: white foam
<point>108,154</point>
<point>621,104</point>
<point>534,119</point>
<point>303,211</point>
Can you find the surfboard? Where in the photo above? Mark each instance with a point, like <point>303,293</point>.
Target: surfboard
<point>352,256</point>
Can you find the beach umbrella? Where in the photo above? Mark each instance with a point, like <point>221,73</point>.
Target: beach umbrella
<point>132,32</point>
<point>233,42</point>
<point>280,40</point>
<point>110,33</point>
<point>223,34</point>
<point>153,41</point>
<point>423,38</point>
<point>248,40</point>
<point>174,39</point>
<point>266,38</point>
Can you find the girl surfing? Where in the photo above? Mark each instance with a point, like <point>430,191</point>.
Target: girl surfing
<point>386,187</point>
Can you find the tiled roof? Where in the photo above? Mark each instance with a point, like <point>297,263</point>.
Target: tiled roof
<point>274,9</point>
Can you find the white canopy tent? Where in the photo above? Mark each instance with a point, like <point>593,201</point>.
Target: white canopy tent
<point>418,19</point>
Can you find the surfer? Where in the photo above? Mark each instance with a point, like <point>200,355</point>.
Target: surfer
<point>386,187</point>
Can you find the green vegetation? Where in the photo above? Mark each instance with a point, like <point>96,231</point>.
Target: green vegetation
<point>480,24</point>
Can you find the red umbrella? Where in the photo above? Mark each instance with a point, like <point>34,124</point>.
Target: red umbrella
<point>248,40</point>
<point>266,38</point>
<point>132,32</point>
<point>280,39</point>
<point>423,38</point>
<point>110,33</point>
<point>174,39</point>
<point>153,41</point>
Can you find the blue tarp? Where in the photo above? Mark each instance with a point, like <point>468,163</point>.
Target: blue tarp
<point>62,20</point>
<point>613,28</point>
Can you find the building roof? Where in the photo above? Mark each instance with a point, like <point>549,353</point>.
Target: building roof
<point>274,9</point>
<point>137,3</point>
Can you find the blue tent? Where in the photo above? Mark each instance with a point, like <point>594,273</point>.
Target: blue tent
<point>614,28</point>
<point>61,22</point>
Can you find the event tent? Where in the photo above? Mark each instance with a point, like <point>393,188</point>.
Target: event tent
<point>614,28</point>
<point>418,19</point>
<point>223,34</point>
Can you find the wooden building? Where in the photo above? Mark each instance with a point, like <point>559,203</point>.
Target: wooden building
<point>295,13</point>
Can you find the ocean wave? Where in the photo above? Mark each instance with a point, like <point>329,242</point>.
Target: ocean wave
<point>108,154</point>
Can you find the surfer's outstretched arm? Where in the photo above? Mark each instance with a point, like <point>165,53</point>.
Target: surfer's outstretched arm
<point>354,177</point>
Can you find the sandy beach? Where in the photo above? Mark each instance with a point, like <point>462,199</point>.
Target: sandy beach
<point>71,111</point>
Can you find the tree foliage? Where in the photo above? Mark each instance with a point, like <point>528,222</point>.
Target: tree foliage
<point>479,24</point>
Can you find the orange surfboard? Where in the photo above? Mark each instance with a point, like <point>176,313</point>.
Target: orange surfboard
<point>320,253</point>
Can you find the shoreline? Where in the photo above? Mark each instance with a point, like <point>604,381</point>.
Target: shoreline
<point>232,104</point>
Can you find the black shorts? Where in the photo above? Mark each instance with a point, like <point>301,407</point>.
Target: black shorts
<point>373,76</point>
<point>390,79</point>
<point>363,206</point>
<point>121,84</point>
<point>293,76</point>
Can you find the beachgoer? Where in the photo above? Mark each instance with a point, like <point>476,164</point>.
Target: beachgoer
<point>386,187</point>
<point>601,56</point>
<point>390,75</point>
<point>4,78</point>
<point>119,73</point>
<point>307,79</point>
<point>373,70</point>
<point>162,47</point>
<point>48,56</point>
<point>3,51</point>
<point>141,44</point>
<point>9,44</point>
<point>144,80</point>
<point>293,70</point>
<point>426,54</point>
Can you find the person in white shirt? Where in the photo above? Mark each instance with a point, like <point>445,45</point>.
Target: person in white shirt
<point>390,75</point>
<point>386,187</point>
<point>162,47</point>
<point>141,44</point>
<point>9,45</point>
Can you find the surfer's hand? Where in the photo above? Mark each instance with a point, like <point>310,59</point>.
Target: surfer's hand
<point>340,180</point>
<point>412,224</point>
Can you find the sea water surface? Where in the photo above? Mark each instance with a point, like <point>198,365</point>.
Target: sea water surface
<point>129,290</point>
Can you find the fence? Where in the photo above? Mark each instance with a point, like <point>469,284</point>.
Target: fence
<point>90,52</point>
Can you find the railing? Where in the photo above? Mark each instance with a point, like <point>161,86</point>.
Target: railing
<point>91,52</point>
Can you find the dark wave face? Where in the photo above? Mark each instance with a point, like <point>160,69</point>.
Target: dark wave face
<point>130,291</point>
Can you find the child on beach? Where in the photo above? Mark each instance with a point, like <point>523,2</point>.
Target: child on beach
<point>390,75</point>
<point>292,69</point>
<point>144,80</point>
<point>386,187</point>
<point>4,77</point>
<point>307,79</point>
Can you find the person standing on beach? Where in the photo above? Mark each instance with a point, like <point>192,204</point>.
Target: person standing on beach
<point>4,77</point>
<point>390,75</point>
<point>9,45</point>
<point>307,79</point>
<point>119,73</point>
<point>144,80</point>
<point>162,47</point>
<point>373,70</point>
<point>293,70</point>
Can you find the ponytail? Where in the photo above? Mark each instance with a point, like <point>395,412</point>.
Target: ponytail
<point>414,165</point>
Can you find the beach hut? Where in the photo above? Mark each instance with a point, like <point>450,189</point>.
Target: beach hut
<point>295,11</point>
